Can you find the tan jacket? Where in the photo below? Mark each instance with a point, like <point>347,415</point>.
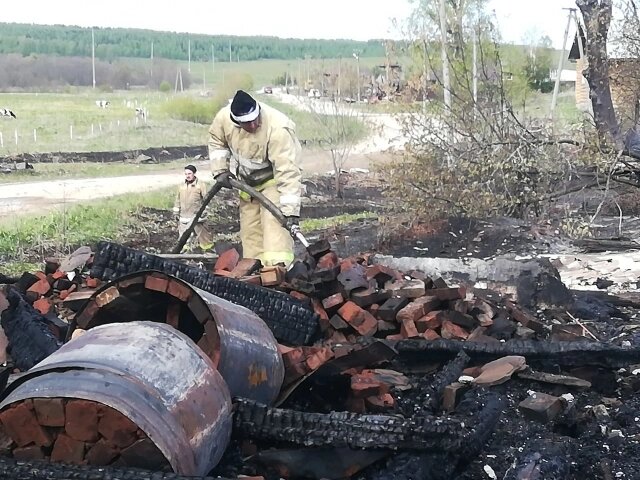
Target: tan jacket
<point>189,198</point>
<point>272,152</point>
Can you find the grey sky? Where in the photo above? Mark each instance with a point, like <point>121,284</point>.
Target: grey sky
<point>357,19</point>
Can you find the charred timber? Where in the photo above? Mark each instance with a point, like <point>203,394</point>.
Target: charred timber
<point>30,338</point>
<point>429,395</point>
<point>20,470</point>
<point>565,354</point>
<point>345,429</point>
<point>485,410</point>
<point>289,320</point>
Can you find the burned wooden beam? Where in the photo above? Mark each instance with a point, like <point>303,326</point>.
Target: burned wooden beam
<point>30,337</point>
<point>565,354</point>
<point>11,469</point>
<point>289,320</point>
<point>345,429</point>
<point>429,395</point>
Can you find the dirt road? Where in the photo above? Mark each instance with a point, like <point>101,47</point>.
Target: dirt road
<point>43,196</point>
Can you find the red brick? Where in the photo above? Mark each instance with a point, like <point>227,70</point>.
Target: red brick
<point>245,267</point>
<point>382,274</point>
<point>396,336</point>
<point>67,450</point>
<point>282,349</point>
<point>351,313</point>
<point>65,293</point>
<point>300,296</point>
<point>452,331</point>
<point>49,411</point>
<point>333,302</point>
<point>42,276</point>
<point>116,428</point>
<point>323,319</point>
<point>179,290</point>
<point>445,294</point>
<point>432,320</point>
<point>151,282</point>
<point>43,305</point>
<point>92,282</point>
<point>328,260</point>
<point>484,319</point>
<point>418,308</point>
<point>252,279</point>
<point>380,402</point>
<point>22,426</point>
<point>228,260</point>
<point>366,385</point>
<point>41,287</point>
<point>81,420</point>
<point>316,360</point>
<point>408,329</point>
<point>26,454</point>
<point>272,276</point>
<point>173,314</point>
<point>430,335</point>
<point>293,356</point>
<point>102,453</point>
<point>413,288</point>
<point>365,297</point>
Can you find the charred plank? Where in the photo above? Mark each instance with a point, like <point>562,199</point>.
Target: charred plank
<point>290,321</point>
<point>20,470</point>
<point>345,429</point>
<point>565,354</point>
<point>30,338</point>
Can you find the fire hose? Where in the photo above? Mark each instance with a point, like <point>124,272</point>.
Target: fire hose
<point>294,231</point>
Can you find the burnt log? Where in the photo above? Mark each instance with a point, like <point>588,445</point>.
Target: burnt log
<point>564,354</point>
<point>20,470</point>
<point>429,396</point>
<point>30,337</point>
<point>345,429</point>
<point>485,409</point>
<point>289,319</point>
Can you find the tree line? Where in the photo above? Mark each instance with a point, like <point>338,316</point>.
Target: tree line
<point>113,43</point>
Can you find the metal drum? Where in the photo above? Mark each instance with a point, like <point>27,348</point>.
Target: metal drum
<point>239,343</point>
<point>152,374</point>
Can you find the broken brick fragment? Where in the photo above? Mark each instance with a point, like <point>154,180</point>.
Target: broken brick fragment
<point>67,450</point>
<point>227,261</point>
<point>81,420</point>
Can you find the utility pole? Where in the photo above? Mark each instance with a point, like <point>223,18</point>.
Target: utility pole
<point>356,55</point>
<point>151,70</point>
<point>339,75</point>
<point>93,57</point>
<point>230,51</point>
<point>213,60</point>
<point>571,15</point>
<point>189,54</point>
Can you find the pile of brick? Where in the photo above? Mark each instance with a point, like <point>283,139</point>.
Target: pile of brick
<point>76,432</point>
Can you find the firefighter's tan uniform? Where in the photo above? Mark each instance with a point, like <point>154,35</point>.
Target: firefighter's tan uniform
<point>188,201</point>
<point>267,160</point>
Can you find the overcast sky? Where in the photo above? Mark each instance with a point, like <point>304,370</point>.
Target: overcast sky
<point>356,19</point>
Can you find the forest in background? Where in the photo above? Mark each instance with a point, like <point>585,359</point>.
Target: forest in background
<point>114,43</point>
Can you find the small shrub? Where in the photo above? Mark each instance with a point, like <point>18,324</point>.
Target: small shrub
<point>165,87</point>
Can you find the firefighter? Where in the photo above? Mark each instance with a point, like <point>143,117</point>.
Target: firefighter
<point>188,201</point>
<point>258,144</point>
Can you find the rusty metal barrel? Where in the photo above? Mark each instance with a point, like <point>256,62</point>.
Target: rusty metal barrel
<point>240,344</point>
<point>150,373</point>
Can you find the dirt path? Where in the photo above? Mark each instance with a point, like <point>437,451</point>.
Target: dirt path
<point>43,196</point>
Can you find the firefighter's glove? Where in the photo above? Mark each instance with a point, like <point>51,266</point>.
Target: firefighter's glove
<point>224,177</point>
<point>293,224</point>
